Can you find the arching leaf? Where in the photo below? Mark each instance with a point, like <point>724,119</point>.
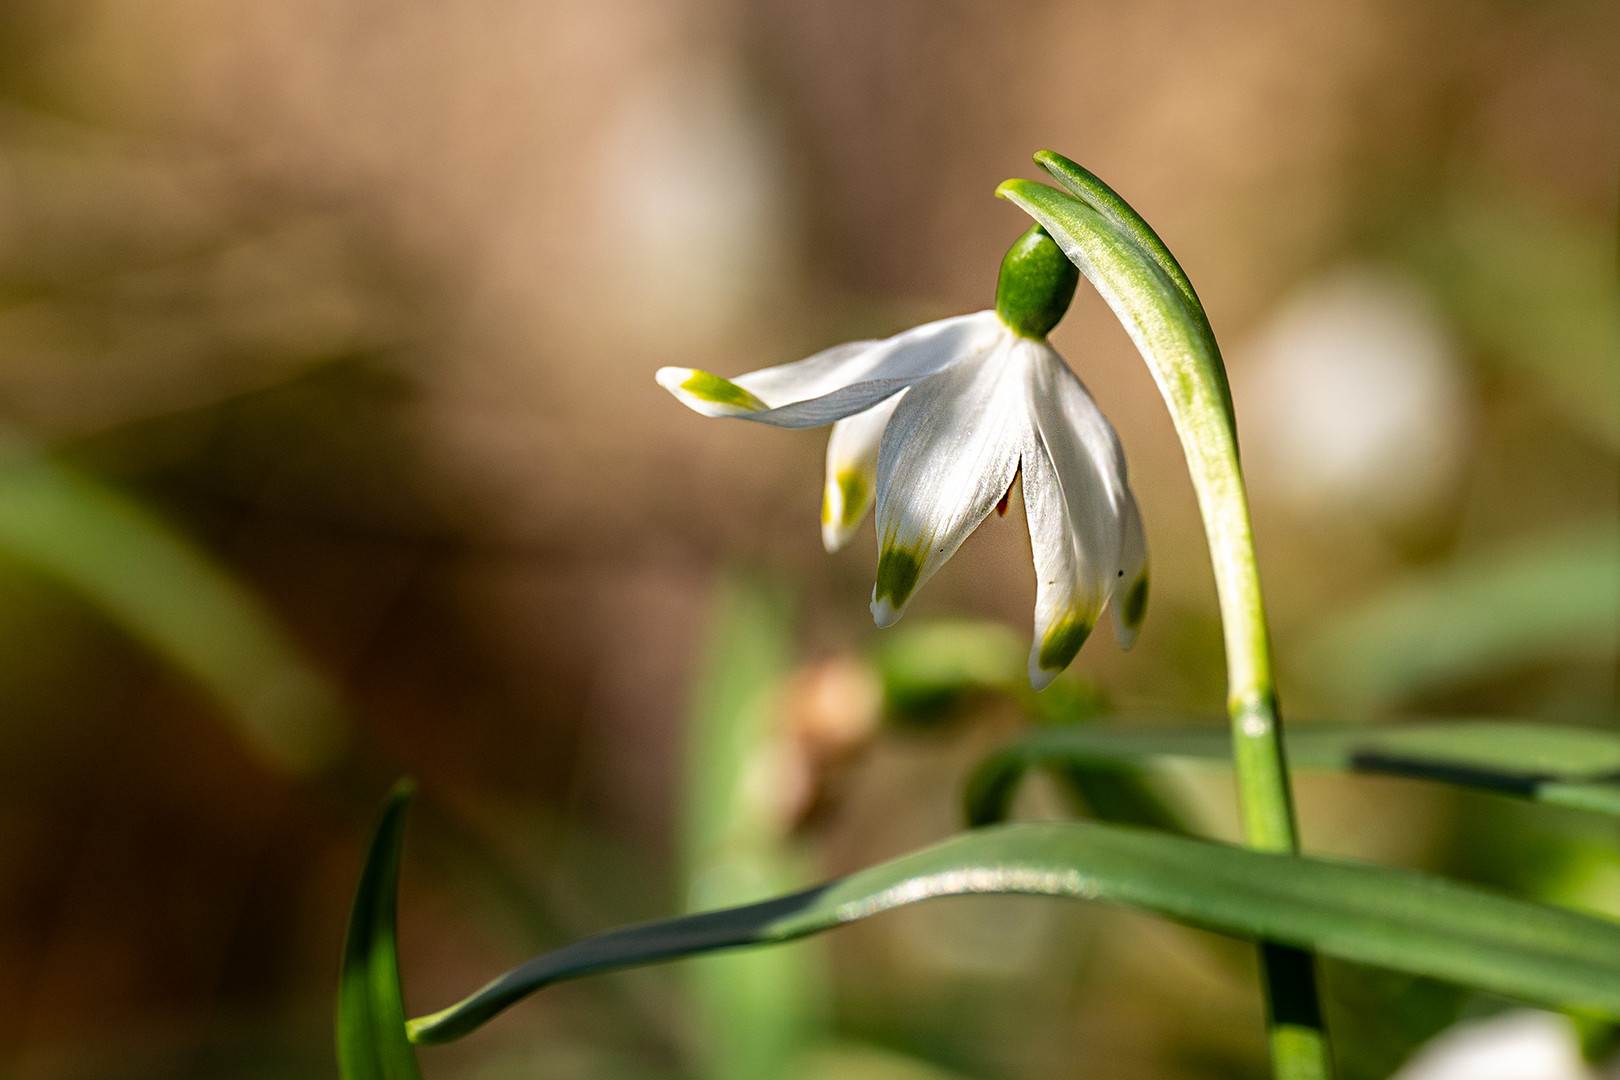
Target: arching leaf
<point>1368,914</point>
<point>172,597</point>
<point>1565,766</point>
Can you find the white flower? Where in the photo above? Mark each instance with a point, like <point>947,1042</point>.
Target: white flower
<point>934,425</point>
<point>1520,1045</point>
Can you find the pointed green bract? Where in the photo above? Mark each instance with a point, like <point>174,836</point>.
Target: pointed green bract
<point>1359,912</point>
<point>1085,184</point>
<point>371,1042</point>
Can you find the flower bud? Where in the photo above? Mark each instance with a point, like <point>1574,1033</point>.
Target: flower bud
<point>1036,284</point>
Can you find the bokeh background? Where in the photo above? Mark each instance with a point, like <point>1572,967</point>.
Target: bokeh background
<point>331,453</point>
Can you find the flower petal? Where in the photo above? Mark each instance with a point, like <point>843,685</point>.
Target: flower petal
<point>852,459</point>
<point>1074,496</point>
<point>948,454</point>
<point>836,382</point>
<point>1129,604</point>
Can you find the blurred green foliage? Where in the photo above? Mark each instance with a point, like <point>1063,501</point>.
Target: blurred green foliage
<point>164,591</point>
<point>758,1010</point>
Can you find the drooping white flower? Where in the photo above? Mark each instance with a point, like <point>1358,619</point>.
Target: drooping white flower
<point>934,424</point>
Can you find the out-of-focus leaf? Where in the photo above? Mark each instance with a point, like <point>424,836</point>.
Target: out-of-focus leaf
<point>1538,292</point>
<point>1368,914</point>
<point>1115,793</point>
<point>171,596</point>
<point>371,1042</point>
<point>927,667</point>
<point>1565,766</point>
<point>855,1061</point>
<point>759,1009</point>
<point>1555,596</point>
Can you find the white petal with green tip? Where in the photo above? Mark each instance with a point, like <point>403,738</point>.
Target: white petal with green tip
<point>1074,488</point>
<point>948,455</point>
<point>840,381</point>
<point>852,458</point>
<point>1129,604</point>
<point>931,427</point>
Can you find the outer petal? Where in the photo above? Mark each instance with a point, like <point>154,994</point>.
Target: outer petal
<point>948,455</point>
<point>852,460</point>
<point>837,382</point>
<point>1074,495</point>
<point>1131,581</point>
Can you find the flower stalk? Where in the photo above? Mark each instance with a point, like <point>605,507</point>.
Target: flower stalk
<point>1145,287</point>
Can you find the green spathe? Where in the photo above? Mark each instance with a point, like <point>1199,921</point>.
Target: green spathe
<point>1036,285</point>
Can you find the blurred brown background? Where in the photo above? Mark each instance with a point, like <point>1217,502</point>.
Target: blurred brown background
<point>364,298</point>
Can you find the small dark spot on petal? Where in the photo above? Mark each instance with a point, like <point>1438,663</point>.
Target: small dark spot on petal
<point>1122,573</point>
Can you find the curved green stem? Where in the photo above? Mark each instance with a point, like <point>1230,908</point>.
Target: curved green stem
<point>1146,288</point>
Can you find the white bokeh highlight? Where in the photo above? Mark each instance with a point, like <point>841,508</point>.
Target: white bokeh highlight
<point>1356,400</point>
<point>689,205</point>
<point>1520,1045</point>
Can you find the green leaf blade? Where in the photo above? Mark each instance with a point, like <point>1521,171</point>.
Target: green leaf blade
<point>178,601</point>
<point>1556,764</point>
<point>1553,596</point>
<point>371,1039</point>
<point>1367,914</point>
<point>758,1011</point>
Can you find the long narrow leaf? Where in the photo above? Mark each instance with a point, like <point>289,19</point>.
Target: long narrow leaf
<point>371,1042</point>
<point>1363,913</point>
<point>1550,596</point>
<point>171,596</point>
<point>1567,766</point>
<point>758,1010</point>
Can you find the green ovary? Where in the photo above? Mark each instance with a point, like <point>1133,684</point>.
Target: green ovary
<point>897,575</point>
<point>718,391</point>
<point>1037,283</point>
<point>1135,605</point>
<point>1062,640</point>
